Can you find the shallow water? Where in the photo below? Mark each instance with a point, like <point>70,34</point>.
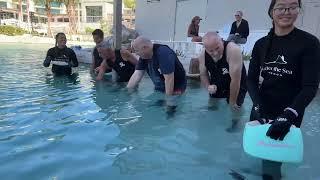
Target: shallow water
<point>76,128</point>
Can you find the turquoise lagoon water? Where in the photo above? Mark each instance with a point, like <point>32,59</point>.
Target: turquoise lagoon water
<point>75,128</point>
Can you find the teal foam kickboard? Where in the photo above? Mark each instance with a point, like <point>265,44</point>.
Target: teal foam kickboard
<point>257,144</point>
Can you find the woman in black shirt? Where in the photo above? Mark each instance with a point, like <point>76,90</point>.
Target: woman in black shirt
<point>61,57</point>
<point>288,59</point>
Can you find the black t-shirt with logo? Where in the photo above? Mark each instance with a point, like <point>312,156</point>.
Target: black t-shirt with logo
<point>61,59</point>
<point>219,75</point>
<point>123,68</point>
<point>290,71</point>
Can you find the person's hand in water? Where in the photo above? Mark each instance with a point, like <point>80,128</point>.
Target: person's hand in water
<point>236,113</point>
<point>281,126</point>
<point>171,105</point>
<point>99,76</point>
<point>235,107</point>
<point>212,89</point>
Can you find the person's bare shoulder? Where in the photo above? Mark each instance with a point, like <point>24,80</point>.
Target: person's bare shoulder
<point>233,52</point>
<point>233,47</point>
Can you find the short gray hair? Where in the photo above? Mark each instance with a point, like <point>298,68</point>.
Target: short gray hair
<point>240,12</point>
<point>210,35</point>
<point>107,43</point>
<point>141,40</point>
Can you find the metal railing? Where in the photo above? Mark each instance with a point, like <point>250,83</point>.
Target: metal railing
<point>93,19</point>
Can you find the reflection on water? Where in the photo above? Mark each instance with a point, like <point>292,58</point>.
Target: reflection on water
<point>72,127</point>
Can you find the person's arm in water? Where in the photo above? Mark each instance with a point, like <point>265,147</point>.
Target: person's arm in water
<point>235,69</point>
<point>114,76</point>
<point>137,75</point>
<point>169,83</point>
<point>167,59</point>
<point>127,56</point>
<point>101,70</point>
<point>135,79</point>
<point>204,76</point>
<point>49,58</point>
<point>92,66</point>
<point>73,59</point>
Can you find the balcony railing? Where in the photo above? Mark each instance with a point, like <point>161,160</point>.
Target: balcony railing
<point>93,19</point>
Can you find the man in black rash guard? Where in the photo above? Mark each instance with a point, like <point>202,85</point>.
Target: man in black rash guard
<point>223,74</point>
<point>61,57</point>
<point>288,60</point>
<point>122,62</point>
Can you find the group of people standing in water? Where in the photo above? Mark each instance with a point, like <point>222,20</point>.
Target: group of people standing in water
<point>287,59</point>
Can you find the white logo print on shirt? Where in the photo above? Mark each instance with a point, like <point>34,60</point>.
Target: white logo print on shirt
<point>279,60</point>
<point>276,67</point>
<point>225,71</point>
<point>121,64</point>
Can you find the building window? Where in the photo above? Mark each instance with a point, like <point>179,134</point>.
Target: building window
<point>3,5</point>
<point>152,1</point>
<point>93,13</point>
<point>41,11</point>
<point>66,19</point>
<point>55,11</point>
<point>60,20</point>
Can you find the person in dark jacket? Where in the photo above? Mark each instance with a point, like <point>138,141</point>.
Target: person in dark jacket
<point>239,29</point>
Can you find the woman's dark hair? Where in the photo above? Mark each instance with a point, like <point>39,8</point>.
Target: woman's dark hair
<point>57,35</point>
<point>270,35</point>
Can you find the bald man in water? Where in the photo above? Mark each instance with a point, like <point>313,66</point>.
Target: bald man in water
<point>222,72</point>
<point>161,64</point>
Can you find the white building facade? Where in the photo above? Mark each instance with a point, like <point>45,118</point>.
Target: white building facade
<point>169,19</point>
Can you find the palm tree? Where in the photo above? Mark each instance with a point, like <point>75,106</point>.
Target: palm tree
<point>20,14</point>
<point>130,4</point>
<point>47,4</point>
<point>71,11</point>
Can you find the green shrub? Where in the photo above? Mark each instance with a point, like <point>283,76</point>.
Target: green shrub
<point>105,27</point>
<point>89,30</point>
<point>12,30</point>
<point>35,33</point>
